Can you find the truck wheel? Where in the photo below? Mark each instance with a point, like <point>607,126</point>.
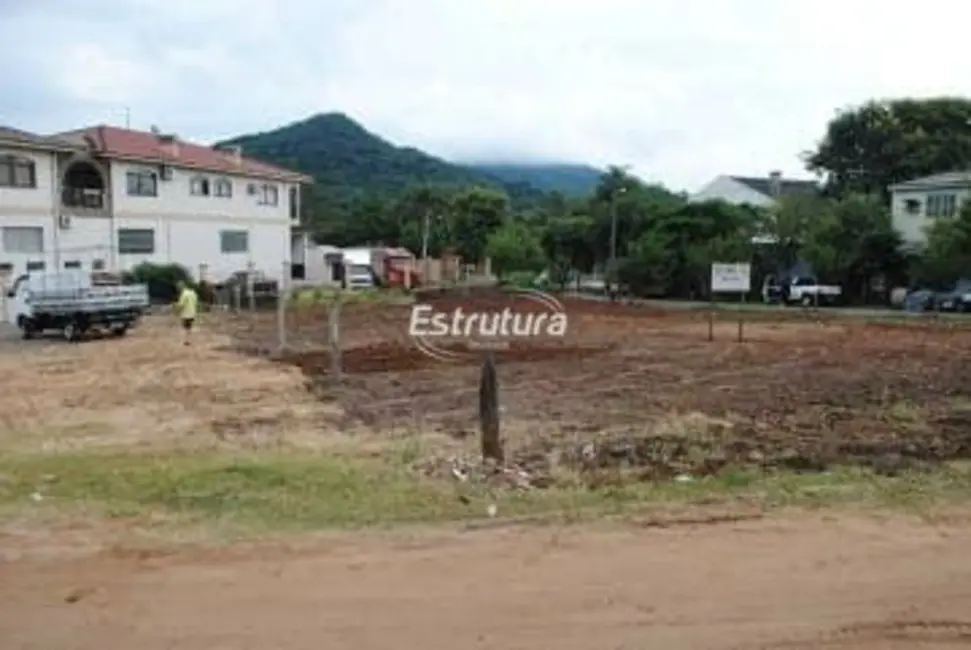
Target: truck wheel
<point>72,331</point>
<point>119,330</point>
<point>26,328</point>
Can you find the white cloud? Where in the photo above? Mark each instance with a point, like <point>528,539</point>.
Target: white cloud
<point>683,91</point>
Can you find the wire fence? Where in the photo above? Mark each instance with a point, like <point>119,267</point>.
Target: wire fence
<point>344,331</point>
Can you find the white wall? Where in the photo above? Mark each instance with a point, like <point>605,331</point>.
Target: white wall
<point>31,207</point>
<point>731,191</point>
<point>186,227</point>
<point>174,197</point>
<point>913,227</point>
<point>29,201</point>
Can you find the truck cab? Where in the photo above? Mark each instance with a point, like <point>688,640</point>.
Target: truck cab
<point>799,289</point>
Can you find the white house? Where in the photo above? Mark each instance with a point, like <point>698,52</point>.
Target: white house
<point>111,198</point>
<point>758,192</point>
<point>915,204</point>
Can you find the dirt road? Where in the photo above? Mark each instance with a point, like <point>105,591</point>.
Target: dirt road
<point>775,583</point>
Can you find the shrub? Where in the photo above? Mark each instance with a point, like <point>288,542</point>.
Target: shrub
<point>162,279</point>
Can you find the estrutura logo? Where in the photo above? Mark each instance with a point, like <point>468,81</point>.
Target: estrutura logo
<point>531,315</point>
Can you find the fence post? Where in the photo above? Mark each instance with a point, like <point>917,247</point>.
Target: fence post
<point>282,297</point>
<point>489,410</point>
<point>237,297</point>
<point>334,336</point>
<point>249,290</point>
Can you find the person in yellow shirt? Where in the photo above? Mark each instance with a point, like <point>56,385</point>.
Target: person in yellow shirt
<point>187,306</point>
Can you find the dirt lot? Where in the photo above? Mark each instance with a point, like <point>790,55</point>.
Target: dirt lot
<point>106,444</point>
<point>628,388</point>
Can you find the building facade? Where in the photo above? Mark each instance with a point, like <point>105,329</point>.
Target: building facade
<point>916,204</point>
<point>106,198</point>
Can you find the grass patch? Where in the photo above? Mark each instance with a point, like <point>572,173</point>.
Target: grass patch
<point>288,492</point>
<point>312,296</point>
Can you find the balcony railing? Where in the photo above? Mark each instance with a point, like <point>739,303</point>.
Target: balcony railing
<point>83,197</point>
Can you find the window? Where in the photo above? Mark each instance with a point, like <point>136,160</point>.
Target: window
<point>98,265</point>
<point>6,268</point>
<point>941,205</point>
<point>199,186</point>
<point>73,264</point>
<point>136,241</point>
<point>23,239</point>
<point>265,194</point>
<point>223,188</point>
<point>268,195</point>
<point>912,206</point>
<point>35,266</point>
<point>233,241</point>
<point>17,172</point>
<point>142,184</point>
<point>294,212</point>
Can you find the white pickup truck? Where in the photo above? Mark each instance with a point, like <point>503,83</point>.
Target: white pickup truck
<point>73,302</point>
<point>800,290</point>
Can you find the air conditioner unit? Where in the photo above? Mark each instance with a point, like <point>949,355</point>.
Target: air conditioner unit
<point>64,222</point>
<point>165,172</point>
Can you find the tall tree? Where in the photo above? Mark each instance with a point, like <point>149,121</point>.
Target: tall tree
<point>477,212</point>
<point>870,147</point>
<point>947,255</point>
<point>514,247</point>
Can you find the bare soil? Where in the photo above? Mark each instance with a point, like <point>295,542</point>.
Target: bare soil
<point>148,391</point>
<point>633,389</point>
<point>628,394</point>
<point>795,583</point>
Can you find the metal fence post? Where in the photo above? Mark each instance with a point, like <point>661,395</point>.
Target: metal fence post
<point>282,298</point>
<point>334,336</point>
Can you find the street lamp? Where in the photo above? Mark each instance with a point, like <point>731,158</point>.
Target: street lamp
<point>613,223</point>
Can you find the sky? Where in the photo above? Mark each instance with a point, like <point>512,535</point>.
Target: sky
<point>681,91</point>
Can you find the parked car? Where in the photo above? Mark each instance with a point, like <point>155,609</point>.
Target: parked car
<point>919,300</point>
<point>957,299</point>
<point>801,290</point>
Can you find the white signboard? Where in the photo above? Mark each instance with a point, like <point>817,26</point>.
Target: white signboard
<point>731,278</point>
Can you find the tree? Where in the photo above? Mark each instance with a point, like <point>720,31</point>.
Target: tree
<point>868,148</point>
<point>421,207</point>
<point>947,255</point>
<point>477,212</point>
<point>703,233</point>
<point>647,267</point>
<point>853,241</point>
<point>566,242</point>
<point>636,206</point>
<point>514,247</point>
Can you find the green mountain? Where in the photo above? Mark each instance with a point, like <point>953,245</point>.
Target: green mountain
<point>349,163</point>
<point>569,180</point>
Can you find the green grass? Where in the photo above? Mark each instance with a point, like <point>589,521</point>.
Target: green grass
<point>278,492</point>
<point>310,297</point>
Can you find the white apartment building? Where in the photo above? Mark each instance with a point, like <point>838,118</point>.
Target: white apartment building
<point>111,198</point>
<point>916,204</point>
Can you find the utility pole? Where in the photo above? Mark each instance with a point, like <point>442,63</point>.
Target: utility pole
<point>424,235</point>
<point>127,118</point>
<point>424,246</point>
<point>613,228</point>
<point>613,283</point>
